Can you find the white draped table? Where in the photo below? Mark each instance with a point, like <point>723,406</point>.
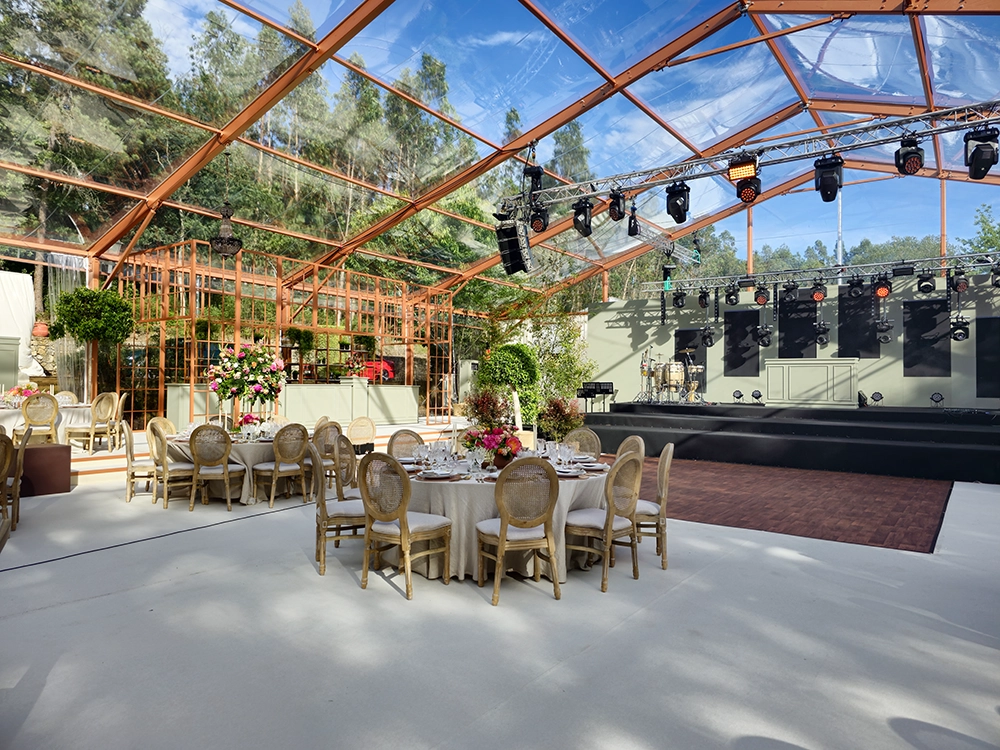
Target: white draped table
<point>246,454</point>
<point>467,502</point>
<point>75,415</point>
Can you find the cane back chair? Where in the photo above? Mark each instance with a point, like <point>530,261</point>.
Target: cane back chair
<point>402,443</point>
<point>334,520</point>
<point>587,441</point>
<point>102,417</point>
<point>40,411</point>
<point>210,448</point>
<point>291,443</point>
<point>651,517</point>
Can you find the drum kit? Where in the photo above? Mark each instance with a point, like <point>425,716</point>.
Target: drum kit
<point>671,381</point>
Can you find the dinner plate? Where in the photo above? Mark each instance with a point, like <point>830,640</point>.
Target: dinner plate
<point>595,466</point>
<point>436,474</point>
<point>583,457</point>
<point>407,460</point>
<point>411,467</point>
<point>566,473</point>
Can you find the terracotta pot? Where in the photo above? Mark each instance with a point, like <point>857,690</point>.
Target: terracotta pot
<point>41,328</point>
<point>501,461</point>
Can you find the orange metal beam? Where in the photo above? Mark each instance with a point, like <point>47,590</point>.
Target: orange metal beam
<point>273,24</point>
<point>268,98</point>
<point>876,7</point>
<point>653,62</point>
<point>919,43</point>
<point>879,109</point>
<point>946,174</point>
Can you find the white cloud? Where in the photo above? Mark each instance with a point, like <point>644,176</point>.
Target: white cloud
<point>501,38</point>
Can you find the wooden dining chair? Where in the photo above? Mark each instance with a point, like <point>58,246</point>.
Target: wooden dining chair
<point>361,433</point>
<point>402,443</point>
<point>319,423</point>
<point>40,411</point>
<point>12,486</point>
<point>632,444</point>
<point>587,441</point>
<point>325,439</point>
<point>210,448</point>
<point>135,470</point>
<point>8,461</point>
<point>67,397</point>
<point>526,494</point>
<point>117,435</point>
<point>604,528</point>
<point>650,516</point>
<point>385,490</point>
<point>335,520</point>
<point>291,443</point>
<point>102,417</point>
<point>346,470</point>
<point>169,474</point>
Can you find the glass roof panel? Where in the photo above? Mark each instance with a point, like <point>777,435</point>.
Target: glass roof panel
<point>708,100</point>
<point>617,138</point>
<point>313,19</point>
<point>67,130</point>
<point>72,214</point>
<point>474,61</point>
<point>871,58</point>
<point>618,35</point>
<point>203,60</point>
<point>964,58</point>
<point>437,239</point>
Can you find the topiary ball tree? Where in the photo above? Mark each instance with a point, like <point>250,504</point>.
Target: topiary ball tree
<point>513,366</point>
<point>93,315</point>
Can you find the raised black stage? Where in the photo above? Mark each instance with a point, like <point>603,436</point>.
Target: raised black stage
<point>931,443</point>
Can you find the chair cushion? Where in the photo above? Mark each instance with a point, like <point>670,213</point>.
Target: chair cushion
<point>417,522</point>
<point>180,466</point>
<point>594,518</point>
<point>143,465</point>
<point>233,469</point>
<point>327,462</point>
<point>345,508</point>
<point>491,527</point>
<point>269,466</point>
<point>352,493</point>
<point>646,508</point>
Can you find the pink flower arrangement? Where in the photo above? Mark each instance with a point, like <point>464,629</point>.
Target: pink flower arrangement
<point>500,441</point>
<point>251,373</point>
<point>249,419</point>
<point>25,390</point>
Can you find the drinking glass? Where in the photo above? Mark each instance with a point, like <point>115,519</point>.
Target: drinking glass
<point>540,445</point>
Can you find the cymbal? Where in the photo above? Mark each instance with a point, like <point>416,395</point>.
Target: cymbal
<point>686,351</point>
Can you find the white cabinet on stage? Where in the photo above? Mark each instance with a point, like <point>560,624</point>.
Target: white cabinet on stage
<point>811,382</point>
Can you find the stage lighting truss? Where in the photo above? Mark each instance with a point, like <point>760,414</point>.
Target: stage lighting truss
<point>883,328</point>
<point>678,201</point>
<point>959,281</point>
<point>616,205</point>
<point>761,295</point>
<point>791,291</point>
<point>704,299</point>
<point>818,291</point>
<point>856,286</point>
<point>763,335</point>
<point>581,217</point>
<point>925,283</point>
<point>822,332</point>
<point>909,157</point>
<point>679,298</point>
<point>732,295</point>
<point>959,328</point>
<point>748,190</point>
<point>829,176</point>
<point>881,287</point>
<point>539,220</point>
<point>981,151</point>
<point>708,337</point>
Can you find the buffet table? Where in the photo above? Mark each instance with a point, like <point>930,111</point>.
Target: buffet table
<point>466,502</point>
<point>246,454</point>
<point>75,415</point>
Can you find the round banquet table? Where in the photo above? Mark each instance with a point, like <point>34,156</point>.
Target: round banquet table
<point>246,454</point>
<point>467,502</point>
<point>74,415</point>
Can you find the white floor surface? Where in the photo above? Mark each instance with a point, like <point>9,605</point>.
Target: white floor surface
<point>128,626</point>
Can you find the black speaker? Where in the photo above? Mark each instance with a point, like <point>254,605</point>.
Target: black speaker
<point>515,252</point>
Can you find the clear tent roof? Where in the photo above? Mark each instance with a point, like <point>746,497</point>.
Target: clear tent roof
<point>390,129</point>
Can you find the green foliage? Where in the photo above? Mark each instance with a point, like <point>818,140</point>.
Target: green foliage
<point>92,315</point>
<point>487,408</point>
<point>558,417</point>
<point>562,356</point>
<point>513,366</point>
<point>303,338</point>
<point>988,238</point>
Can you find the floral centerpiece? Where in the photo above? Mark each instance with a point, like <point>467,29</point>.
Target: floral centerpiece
<point>18,393</point>
<point>500,443</point>
<point>249,424</point>
<point>250,373</point>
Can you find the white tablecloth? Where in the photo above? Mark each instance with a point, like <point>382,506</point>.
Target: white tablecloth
<point>77,415</point>
<point>468,502</point>
<point>246,454</point>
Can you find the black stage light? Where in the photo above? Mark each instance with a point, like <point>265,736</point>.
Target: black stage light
<point>818,292</point>
<point>539,220</point>
<point>678,200</point>
<point>882,287</point>
<point>902,270</point>
<point>959,281</point>
<point>738,396</point>
<point>791,292</point>
<point>980,151</point>
<point>679,297</point>
<point>937,398</point>
<point>884,329</point>
<point>757,396</point>
<point>581,216</point>
<point>909,157</point>
<point>761,295</point>
<point>995,279</point>
<point>708,336</point>
<point>960,328</point>
<point>877,397</point>
<point>822,332</point>
<point>633,223</point>
<point>763,335</point>
<point>704,299</point>
<point>856,286</point>
<point>925,283</point>
<point>732,295</point>
<point>535,173</point>
<point>616,205</point>
<point>748,190</point>
<point>829,176</point>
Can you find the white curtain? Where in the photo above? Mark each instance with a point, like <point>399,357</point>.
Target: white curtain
<point>17,316</point>
<point>66,273</point>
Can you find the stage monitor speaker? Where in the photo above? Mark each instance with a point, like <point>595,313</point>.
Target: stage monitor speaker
<point>515,252</point>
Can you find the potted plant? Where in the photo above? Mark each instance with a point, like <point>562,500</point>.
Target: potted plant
<point>93,315</point>
<point>487,408</point>
<point>558,417</point>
